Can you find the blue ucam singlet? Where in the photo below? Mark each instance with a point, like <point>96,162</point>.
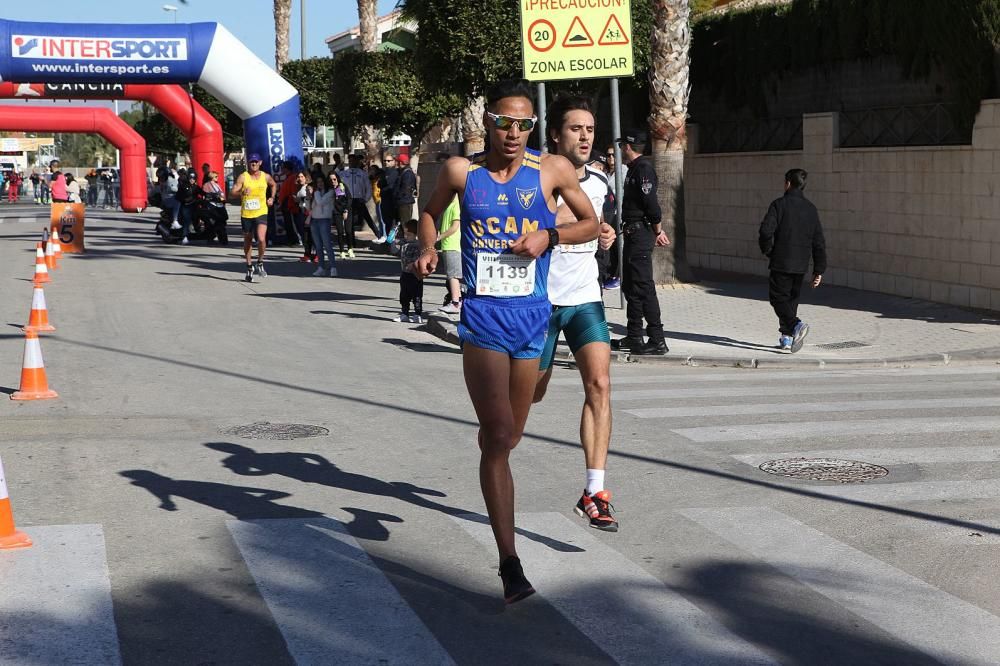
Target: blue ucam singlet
<point>494,215</point>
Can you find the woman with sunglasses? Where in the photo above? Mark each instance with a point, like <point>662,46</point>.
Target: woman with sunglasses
<point>341,208</point>
<point>508,227</point>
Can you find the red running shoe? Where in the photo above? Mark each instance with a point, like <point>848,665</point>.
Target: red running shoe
<point>597,508</point>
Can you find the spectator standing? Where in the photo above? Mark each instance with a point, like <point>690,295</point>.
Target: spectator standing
<point>186,183</point>
<point>14,188</point>
<point>72,189</point>
<point>406,189</point>
<point>641,228</point>
<point>36,187</point>
<point>286,203</point>
<point>57,183</point>
<point>303,201</point>
<point>387,191</point>
<point>91,179</point>
<point>451,256</point>
<point>791,234</point>
<point>215,207</point>
<point>108,185</point>
<point>356,179</point>
<point>411,286</point>
<point>321,212</point>
<point>341,215</point>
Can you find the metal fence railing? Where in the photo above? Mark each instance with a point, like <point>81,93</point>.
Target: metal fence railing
<point>911,125</point>
<point>769,134</point>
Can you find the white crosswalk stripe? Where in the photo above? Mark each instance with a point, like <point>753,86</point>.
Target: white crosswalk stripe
<point>891,456</point>
<point>812,407</point>
<point>55,599</point>
<point>783,389</point>
<point>904,606</point>
<point>332,604</point>
<point>810,429</point>
<point>652,624</point>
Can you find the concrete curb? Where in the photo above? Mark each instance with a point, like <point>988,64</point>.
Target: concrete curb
<point>444,328</point>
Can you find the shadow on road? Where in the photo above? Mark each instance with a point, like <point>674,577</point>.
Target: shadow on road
<point>314,468</point>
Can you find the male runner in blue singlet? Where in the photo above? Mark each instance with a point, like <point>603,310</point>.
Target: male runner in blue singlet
<point>508,227</point>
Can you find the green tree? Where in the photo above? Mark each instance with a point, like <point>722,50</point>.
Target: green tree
<point>383,89</point>
<point>83,150</point>
<point>311,77</point>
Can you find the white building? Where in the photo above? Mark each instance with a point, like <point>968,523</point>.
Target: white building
<point>391,32</point>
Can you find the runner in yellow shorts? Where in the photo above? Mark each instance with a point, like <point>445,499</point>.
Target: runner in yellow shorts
<point>251,187</point>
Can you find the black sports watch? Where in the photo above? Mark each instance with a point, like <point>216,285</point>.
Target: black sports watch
<point>553,237</point>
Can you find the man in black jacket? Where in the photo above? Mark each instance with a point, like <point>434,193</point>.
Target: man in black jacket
<point>790,235</point>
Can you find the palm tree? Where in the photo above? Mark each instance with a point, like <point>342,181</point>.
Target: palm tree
<point>368,25</point>
<point>669,88</point>
<point>282,30</point>
<point>473,131</point>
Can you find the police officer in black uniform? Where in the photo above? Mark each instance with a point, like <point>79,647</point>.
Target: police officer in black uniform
<point>641,230</point>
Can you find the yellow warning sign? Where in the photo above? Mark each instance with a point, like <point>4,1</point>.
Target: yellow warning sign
<point>576,39</point>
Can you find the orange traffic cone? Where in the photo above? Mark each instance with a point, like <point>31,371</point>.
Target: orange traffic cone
<point>38,318</point>
<point>34,385</point>
<point>41,269</point>
<point>56,246</point>
<point>50,256</point>
<point>9,536</point>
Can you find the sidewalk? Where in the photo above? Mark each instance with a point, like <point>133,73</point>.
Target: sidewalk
<point>726,320</point>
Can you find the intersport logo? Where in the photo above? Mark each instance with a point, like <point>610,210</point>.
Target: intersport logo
<point>41,47</point>
<point>276,145</point>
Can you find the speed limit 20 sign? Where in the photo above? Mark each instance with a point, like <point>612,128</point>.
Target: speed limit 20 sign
<point>576,39</point>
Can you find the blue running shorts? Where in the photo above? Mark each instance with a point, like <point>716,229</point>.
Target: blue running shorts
<point>514,326</point>
<point>582,324</point>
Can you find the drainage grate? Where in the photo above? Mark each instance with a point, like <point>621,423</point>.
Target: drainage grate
<point>265,430</point>
<point>850,344</point>
<point>825,469</point>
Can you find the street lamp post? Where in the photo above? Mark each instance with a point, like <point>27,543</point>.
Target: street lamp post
<point>172,9</point>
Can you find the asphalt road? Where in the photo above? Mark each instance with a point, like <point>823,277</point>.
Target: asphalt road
<point>163,539</point>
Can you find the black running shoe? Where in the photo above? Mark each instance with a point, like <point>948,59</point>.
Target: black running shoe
<point>260,269</point>
<point>652,348</point>
<point>626,344</point>
<point>249,277</point>
<point>515,585</point>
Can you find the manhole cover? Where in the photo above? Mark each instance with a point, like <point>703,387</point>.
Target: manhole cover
<point>825,469</point>
<point>265,430</point>
<point>850,344</point>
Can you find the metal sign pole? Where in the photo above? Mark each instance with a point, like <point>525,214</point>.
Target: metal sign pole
<point>541,117</point>
<point>616,128</point>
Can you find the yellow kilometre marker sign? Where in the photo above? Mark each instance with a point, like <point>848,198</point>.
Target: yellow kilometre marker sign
<point>576,39</point>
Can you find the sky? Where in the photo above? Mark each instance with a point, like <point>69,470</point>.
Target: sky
<point>252,21</point>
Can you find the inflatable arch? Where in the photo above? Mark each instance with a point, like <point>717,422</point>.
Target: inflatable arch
<point>93,121</point>
<point>200,127</point>
<point>203,53</point>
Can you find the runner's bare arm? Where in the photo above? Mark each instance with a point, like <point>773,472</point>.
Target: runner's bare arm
<point>562,176</point>
<point>451,181</point>
<point>237,187</point>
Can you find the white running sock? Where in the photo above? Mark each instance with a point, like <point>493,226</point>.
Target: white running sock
<point>595,481</point>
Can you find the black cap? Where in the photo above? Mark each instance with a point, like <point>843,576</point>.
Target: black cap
<point>634,136</point>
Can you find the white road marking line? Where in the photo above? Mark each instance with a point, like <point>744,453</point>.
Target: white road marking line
<point>796,390</point>
<point>897,456</point>
<point>55,599</point>
<point>915,491</point>
<point>806,429</point>
<point>623,376</point>
<point>332,604</point>
<point>652,624</point>
<point>811,407</point>
<point>906,607</point>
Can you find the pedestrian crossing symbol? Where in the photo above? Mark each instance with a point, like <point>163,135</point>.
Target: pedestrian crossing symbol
<point>613,34</point>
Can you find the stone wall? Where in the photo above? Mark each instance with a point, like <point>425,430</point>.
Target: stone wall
<point>916,222</point>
